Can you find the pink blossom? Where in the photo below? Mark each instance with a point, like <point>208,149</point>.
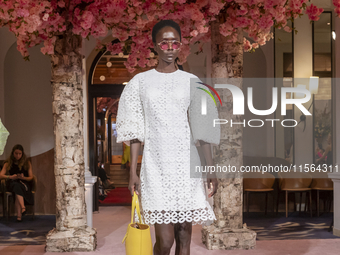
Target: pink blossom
<point>337,11</point>
<point>194,33</point>
<point>313,12</point>
<point>215,7</point>
<point>254,45</point>
<point>152,62</point>
<point>246,45</point>
<point>226,29</point>
<point>129,67</point>
<point>114,48</point>
<point>87,18</point>
<point>45,17</point>
<point>336,3</point>
<point>287,29</point>
<point>23,13</point>
<point>48,48</point>
<point>100,29</point>
<point>61,4</point>
<point>131,21</point>
<point>99,45</point>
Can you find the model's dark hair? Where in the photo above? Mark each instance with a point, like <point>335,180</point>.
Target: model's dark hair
<point>165,23</point>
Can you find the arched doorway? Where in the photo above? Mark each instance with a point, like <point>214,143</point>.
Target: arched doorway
<point>107,78</point>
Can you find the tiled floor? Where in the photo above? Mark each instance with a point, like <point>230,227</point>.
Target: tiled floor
<point>111,224</point>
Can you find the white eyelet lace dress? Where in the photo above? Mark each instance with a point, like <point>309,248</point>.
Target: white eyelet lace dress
<point>153,108</point>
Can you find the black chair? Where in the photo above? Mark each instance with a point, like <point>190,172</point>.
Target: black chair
<point>8,196</point>
<point>2,195</point>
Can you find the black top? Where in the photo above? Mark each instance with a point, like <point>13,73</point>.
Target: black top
<point>15,170</point>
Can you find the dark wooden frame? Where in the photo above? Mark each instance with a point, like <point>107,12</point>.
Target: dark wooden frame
<point>293,116</point>
<point>94,91</point>
<point>332,86</point>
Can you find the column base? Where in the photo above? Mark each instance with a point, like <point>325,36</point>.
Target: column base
<point>228,239</point>
<point>73,239</point>
<point>336,232</point>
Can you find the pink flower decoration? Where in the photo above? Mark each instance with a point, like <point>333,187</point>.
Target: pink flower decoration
<point>313,12</point>
<point>45,17</point>
<point>246,45</point>
<point>287,29</point>
<point>194,33</point>
<point>131,21</point>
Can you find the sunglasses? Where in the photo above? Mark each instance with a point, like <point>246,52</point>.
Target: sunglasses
<point>164,45</point>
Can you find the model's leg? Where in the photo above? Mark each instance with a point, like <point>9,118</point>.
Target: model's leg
<point>183,233</point>
<point>164,239</point>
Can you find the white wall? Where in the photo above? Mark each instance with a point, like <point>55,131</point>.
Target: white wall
<point>259,141</point>
<point>6,40</point>
<point>28,101</point>
<point>303,68</point>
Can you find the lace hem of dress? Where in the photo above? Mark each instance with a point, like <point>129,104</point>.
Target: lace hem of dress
<point>197,216</point>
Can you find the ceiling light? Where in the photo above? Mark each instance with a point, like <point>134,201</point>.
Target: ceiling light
<point>313,84</point>
<point>102,78</point>
<point>108,64</point>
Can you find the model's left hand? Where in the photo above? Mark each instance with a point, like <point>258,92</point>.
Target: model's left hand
<point>214,183</point>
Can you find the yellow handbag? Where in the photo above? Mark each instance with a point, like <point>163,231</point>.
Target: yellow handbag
<point>137,240</point>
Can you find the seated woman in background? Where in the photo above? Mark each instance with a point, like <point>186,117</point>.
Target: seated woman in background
<point>107,183</point>
<point>19,179</point>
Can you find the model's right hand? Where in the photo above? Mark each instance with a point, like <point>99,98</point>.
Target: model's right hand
<point>134,184</point>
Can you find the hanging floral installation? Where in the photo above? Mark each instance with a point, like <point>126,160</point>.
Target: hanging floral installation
<point>322,122</point>
<point>103,103</point>
<point>37,21</point>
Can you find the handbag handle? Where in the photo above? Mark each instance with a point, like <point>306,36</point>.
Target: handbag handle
<point>135,205</point>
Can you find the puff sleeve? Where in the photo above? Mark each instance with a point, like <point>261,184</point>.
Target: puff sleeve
<point>202,126</point>
<point>3,137</point>
<point>130,114</point>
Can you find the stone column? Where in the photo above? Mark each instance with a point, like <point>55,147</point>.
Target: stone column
<point>71,232</point>
<point>335,176</point>
<point>228,232</point>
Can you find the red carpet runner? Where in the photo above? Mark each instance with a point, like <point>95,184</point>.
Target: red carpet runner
<point>117,196</point>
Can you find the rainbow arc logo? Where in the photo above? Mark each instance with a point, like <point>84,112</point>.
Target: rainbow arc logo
<point>204,101</point>
<point>210,87</point>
